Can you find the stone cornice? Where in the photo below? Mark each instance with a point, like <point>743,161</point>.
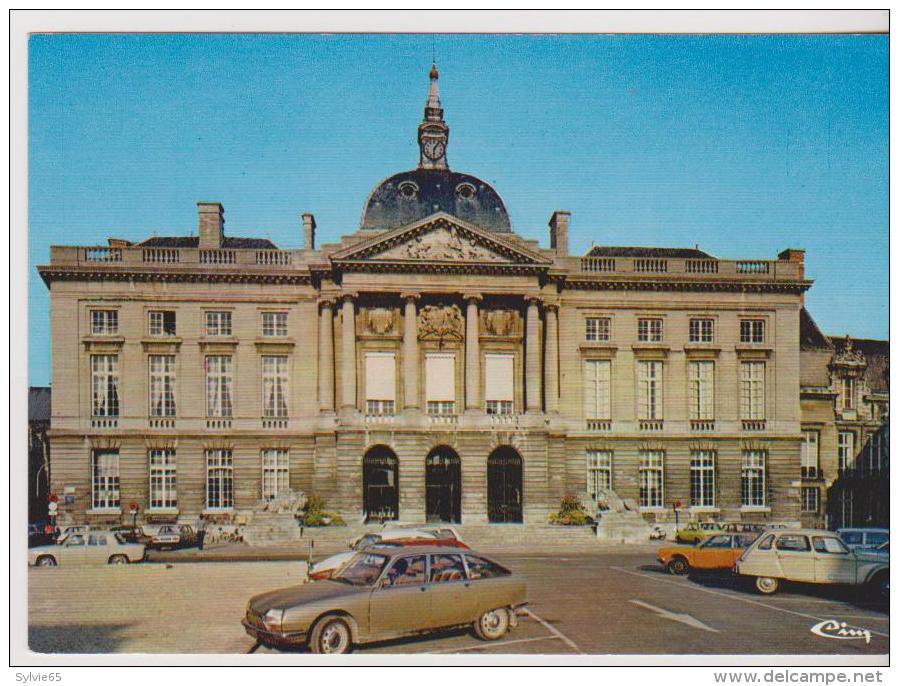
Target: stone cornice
<point>80,273</point>
<point>645,284</point>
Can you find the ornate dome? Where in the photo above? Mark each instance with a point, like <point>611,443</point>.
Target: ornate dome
<point>409,196</point>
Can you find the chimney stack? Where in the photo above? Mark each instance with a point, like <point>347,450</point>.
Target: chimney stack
<point>308,231</point>
<point>558,232</point>
<point>796,255</point>
<point>212,225</point>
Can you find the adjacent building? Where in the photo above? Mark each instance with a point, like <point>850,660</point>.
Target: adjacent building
<point>432,365</point>
<point>38,452</point>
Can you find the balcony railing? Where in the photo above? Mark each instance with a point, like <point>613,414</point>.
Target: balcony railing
<point>143,256</point>
<point>218,257</point>
<point>104,422</point>
<point>102,254</point>
<point>380,418</point>
<point>274,422</point>
<point>644,265</point>
<point>162,255</point>
<point>754,425</point>
<point>702,425</point>
<point>218,422</point>
<point>778,270</point>
<point>443,419</point>
<point>651,424</point>
<point>599,425</point>
<point>161,422</point>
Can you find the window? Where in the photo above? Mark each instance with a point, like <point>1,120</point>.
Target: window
<point>105,385</point>
<point>163,480</point>
<point>218,386</point>
<point>651,478</point>
<point>274,385</point>
<point>274,323</point>
<point>752,390</point>
<point>440,383</point>
<point>809,456</point>
<point>161,322</point>
<point>599,471</point>
<point>649,330</point>
<point>499,383</point>
<point>766,542</point>
<point>752,331</point>
<point>275,472</point>
<point>380,383</point>
<point>702,330</point>
<point>447,568</point>
<point>702,390</point>
<point>408,571</point>
<point>702,478</point>
<point>829,545</point>
<point>597,389</point>
<point>649,389</point>
<point>479,568</point>
<point>810,498</point>
<point>598,328</point>
<point>105,479</point>
<point>104,322</point>
<point>793,543</point>
<point>723,541</point>
<point>218,323</point>
<point>753,478</point>
<point>162,385</point>
<point>845,450</point>
<point>847,393</point>
<point>219,480</point>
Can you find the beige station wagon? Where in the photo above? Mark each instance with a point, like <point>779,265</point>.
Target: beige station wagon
<point>811,556</point>
<point>87,548</point>
<point>385,593</point>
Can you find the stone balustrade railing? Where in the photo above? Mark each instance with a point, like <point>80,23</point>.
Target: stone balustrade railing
<point>695,268</point>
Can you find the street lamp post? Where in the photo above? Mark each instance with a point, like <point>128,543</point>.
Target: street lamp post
<point>677,505</point>
<point>133,509</point>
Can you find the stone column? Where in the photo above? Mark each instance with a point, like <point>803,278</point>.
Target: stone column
<point>532,355</point>
<point>348,368</point>
<point>551,358</point>
<point>410,352</point>
<point>326,356</point>
<point>472,353</point>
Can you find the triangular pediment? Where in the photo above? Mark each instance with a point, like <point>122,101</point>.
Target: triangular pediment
<point>440,238</point>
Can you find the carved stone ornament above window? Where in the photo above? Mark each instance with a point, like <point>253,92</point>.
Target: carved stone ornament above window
<point>379,320</point>
<point>499,322</point>
<point>440,323</point>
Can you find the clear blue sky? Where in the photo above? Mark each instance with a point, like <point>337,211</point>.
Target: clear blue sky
<point>743,144</point>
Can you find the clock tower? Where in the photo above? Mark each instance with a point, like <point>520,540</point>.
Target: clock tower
<point>433,133</point>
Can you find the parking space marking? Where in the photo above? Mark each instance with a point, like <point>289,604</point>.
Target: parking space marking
<point>553,630</point>
<point>487,646</point>
<point>733,597</point>
<point>683,618</point>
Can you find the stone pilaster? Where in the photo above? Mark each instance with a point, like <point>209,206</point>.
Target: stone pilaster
<point>551,358</point>
<point>410,353</point>
<point>532,356</point>
<point>326,356</point>
<point>348,349</point>
<point>472,353</point>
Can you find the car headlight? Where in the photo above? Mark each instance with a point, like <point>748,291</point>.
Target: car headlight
<point>273,618</point>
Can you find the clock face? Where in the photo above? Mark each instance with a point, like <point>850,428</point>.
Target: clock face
<point>433,148</point>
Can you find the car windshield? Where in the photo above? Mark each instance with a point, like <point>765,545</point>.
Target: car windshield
<point>875,538</point>
<point>366,542</point>
<point>362,570</point>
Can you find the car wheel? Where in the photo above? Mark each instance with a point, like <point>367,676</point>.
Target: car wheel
<point>118,560</point>
<point>766,584</point>
<point>46,561</point>
<point>679,566</point>
<point>331,636</point>
<point>880,585</point>
<point>492,625</point>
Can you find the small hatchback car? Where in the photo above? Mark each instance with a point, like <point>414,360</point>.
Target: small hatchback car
<point>718,552</point>
<point>812,556</point>
<point>385,593</point>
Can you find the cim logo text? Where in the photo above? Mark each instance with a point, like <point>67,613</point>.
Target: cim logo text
<point>831,628</point>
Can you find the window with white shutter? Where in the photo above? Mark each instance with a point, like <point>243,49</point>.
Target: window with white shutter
<point>499,383</point>
<point>380,383</point>
<point>440,383</point>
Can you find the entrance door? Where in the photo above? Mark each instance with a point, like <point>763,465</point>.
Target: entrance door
<point>380,484</point>
<point>504,485</point>
<point>443,486</point>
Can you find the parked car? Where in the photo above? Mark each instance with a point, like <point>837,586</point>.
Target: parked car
<point>696,531</point>
<point>743,528</point>
<point>715,552</point>
<point>385,593</point>
<point>132,534</point>
<point>173,536</point>
<point>91,547</point>
<point>74,529</point>
<point>323,569</point>
<point>863,538</point>
<point>811,556</point>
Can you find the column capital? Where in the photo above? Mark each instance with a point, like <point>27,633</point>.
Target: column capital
<point>552,307</point>
<point>533,300</point>
<point>472,296</point>
<point>406,296</point>
<point>327,301</point>
<point>349,296</point>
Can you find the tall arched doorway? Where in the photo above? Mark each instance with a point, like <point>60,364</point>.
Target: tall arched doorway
<point>380,484</point>
<point>504,485</point>
<point>443,485</point>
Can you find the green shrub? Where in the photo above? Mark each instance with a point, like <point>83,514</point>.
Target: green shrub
<point>315,514</point>
<point>571,513</point>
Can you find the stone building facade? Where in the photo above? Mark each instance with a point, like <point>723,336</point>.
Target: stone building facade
<point>845,428</point>
<point>432,365</point>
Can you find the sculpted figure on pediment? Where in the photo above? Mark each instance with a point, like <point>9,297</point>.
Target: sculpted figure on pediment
<point>440,322</point>
<point>443,245</point>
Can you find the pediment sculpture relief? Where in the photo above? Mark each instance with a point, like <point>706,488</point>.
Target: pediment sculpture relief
<point>440,322</point>
<point>379,320</point>
<point>445,244</point>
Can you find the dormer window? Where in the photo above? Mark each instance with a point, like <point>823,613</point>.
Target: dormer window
<point>408,190</point>
<point>466,191</point>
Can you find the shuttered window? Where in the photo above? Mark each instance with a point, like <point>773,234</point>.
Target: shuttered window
<point>499,383</point>
<point>440,382</point>
<point>380,383</point>
<point>597,389</point>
